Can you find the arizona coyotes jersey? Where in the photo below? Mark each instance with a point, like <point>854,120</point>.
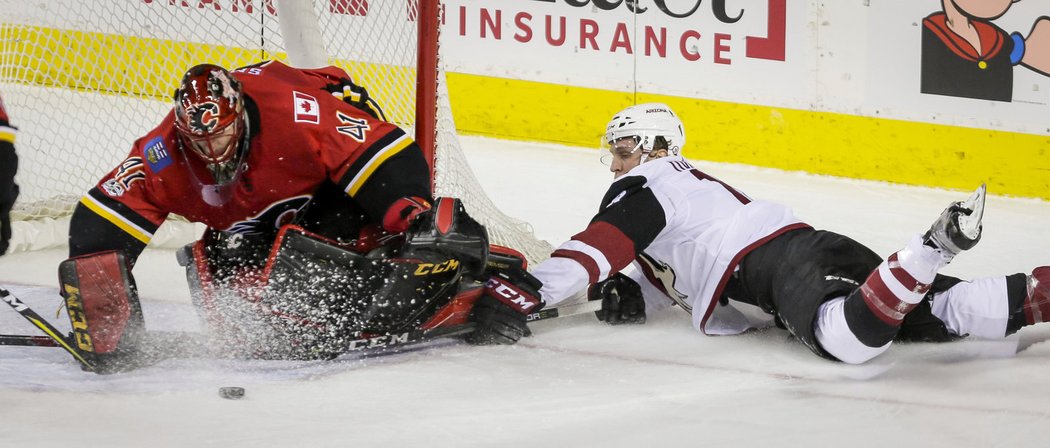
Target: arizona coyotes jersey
<point>300,136</point>
<point>686,233</point>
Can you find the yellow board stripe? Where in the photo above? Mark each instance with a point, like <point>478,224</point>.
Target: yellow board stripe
<point>50,57</point>
<point>117,220</point>
<point>362,176</point>
<point>816,142</point>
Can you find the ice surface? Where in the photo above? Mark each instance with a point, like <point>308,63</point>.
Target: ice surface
<point>576,383</point>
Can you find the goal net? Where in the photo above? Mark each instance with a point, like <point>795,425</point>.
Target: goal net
<point>83,78</point>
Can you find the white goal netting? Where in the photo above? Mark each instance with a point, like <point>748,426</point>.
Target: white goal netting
<point>83,78</point>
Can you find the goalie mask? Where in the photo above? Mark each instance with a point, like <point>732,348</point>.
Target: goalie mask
<point>643,127</point>
<point>210,119</point>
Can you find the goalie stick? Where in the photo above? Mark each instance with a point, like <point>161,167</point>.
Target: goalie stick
<point>192,344</point>
<point>45,326</point>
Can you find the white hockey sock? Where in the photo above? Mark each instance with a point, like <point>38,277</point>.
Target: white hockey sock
<point>921,261</point>
<point>900,282</point>
<point>837,338</point>
<point>977,308</point>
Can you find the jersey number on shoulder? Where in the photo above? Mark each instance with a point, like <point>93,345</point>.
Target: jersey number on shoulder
<point>130,171</point>
<point>356,128</point>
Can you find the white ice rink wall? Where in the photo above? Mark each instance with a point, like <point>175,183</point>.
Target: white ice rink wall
<point>826,87</point>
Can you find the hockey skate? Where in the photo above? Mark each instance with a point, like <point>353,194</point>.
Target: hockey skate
<point>959,226</point>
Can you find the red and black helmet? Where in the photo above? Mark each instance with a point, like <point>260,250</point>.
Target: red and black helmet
<point>209,112</point>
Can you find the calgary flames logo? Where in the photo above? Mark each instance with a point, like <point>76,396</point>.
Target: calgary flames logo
<point>203,117</point>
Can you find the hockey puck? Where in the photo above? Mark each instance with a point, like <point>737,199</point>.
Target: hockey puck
<point>231,393</point>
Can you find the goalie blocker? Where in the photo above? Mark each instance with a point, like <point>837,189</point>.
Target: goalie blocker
<point>103,308</point>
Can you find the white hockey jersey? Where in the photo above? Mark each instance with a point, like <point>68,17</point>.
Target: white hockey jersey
<point>686,233</point>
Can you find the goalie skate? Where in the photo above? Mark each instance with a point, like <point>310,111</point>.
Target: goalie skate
<point>959,226</point>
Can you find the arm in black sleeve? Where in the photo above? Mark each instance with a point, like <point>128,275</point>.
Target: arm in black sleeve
<point>632,208</point>
<point>8,190</point>
<point>629,220</point>
<point>405,175</point>
<point>8,168</point>
<point>90,232</point>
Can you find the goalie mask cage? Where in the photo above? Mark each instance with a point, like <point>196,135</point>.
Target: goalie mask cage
<point>82,79</point>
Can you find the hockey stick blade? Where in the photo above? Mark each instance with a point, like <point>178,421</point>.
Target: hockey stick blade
<point>44,326</point>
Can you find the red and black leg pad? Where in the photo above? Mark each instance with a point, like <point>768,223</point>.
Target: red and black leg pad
<point>103,307</point>
<point>320,294</point>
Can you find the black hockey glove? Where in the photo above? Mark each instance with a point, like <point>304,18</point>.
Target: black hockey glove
<point>621,298</point>
<point>500,313</point>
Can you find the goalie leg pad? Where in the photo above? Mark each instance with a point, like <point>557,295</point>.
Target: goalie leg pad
<point>102,302</point>
<point>319,293</point>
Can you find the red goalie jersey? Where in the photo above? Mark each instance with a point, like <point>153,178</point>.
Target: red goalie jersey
<point>303,143</point>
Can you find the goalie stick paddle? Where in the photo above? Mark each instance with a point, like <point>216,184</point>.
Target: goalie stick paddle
<point>45,326</point>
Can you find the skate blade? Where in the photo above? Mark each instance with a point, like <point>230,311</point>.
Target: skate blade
<point>970,225</point>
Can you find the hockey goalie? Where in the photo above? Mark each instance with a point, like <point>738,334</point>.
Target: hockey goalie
<point>322,228</point>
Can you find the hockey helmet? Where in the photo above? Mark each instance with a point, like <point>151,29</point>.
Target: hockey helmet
<point>210,118</point>
<point>645,123</point>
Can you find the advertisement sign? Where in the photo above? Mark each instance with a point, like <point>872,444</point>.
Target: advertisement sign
<point>755,51</point>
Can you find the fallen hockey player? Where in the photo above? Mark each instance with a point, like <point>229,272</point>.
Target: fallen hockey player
<point>704,246</point>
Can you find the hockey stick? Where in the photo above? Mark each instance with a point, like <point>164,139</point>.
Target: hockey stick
<point>565,310</point>
<point>30,341</point>
<point>44,326</point>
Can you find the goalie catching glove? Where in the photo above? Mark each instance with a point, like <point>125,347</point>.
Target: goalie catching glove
<point>500,313</point>
<point>622,301</point>
<point>446,228</point>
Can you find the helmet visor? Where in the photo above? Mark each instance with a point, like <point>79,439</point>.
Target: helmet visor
<point>621,148</point>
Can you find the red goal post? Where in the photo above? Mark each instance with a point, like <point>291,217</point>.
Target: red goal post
<point>83,78</point>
